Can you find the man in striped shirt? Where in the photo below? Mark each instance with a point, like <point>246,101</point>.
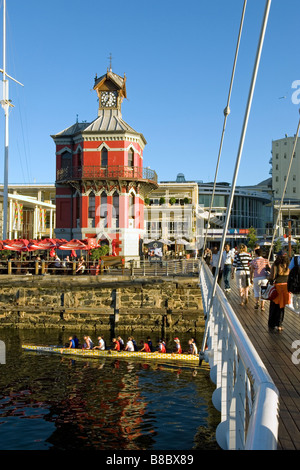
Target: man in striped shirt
<point>241,267</point>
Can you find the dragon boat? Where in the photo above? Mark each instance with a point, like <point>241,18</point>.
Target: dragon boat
<point>96,353</point>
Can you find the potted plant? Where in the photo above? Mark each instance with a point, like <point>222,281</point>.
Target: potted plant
<point>162,201</point>
<point>172,200</point>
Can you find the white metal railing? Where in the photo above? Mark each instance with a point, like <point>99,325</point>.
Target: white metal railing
<point>245,394</point>
<point>176,267</point>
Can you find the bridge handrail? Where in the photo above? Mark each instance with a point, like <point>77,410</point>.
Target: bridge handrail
<point>245,393</point>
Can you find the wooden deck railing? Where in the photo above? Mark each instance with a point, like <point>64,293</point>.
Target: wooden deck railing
<point>111,265</point>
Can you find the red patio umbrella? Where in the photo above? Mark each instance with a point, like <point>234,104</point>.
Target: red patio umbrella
<point>47,244</point>
<point>72,245</point>
<point>33,245</point>
<point>16,245</point>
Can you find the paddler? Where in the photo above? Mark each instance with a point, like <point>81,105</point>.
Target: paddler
<point>72,344</point>
<point>121,341</point>
<point>129,345</point>
<point>116,344</point>
<point>161,347</point>
<point>101,344</point>
<point>88,343</point>
<point>178,349</point>
<point>192,347</point>
<point>146,347</point>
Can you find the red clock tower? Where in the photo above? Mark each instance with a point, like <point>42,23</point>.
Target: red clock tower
<point>100,179</point>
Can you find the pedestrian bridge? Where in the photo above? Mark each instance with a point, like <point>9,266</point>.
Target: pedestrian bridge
<point>253,370</point>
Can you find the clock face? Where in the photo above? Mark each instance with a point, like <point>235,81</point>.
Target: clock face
<point>108,99</point>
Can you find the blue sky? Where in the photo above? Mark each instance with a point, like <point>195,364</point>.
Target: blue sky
<point>177,57</point>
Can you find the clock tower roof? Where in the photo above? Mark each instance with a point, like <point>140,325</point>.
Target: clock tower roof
<point>111,81</point>
<point>109,121</point>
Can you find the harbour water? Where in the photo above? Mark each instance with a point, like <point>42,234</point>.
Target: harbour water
<point>50,402</point>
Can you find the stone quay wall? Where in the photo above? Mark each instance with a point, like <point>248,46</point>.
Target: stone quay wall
<point>101,302</point>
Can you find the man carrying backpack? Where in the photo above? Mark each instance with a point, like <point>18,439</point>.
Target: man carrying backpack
<point>294,282</point>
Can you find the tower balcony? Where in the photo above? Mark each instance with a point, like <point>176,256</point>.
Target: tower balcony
<point>97,173</point>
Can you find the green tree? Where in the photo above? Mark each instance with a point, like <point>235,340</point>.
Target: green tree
<point>277,245</point>
<point>96,253</point>
<point>252,238</point>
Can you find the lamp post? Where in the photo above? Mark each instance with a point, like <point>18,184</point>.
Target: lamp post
<point>6,104</point>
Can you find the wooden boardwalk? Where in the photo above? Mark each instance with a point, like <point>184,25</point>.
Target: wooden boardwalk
<point>275,350</point>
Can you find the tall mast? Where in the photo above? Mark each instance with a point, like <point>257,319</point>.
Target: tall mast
<point>6,104</point>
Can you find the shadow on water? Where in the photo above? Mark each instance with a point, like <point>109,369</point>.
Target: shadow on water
<point>54,402</point>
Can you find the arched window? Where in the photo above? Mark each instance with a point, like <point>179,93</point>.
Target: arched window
<point>104,157</point>
<point>66,163</point>
<point>131,205</point>
<point>77,207</point>
<point>79,158</point>
<point>92,206</point>
<point>78,164</point>
<point>91,210</point>
<point>116,208</point>
<point>130,157</point>
<point>103,209</point>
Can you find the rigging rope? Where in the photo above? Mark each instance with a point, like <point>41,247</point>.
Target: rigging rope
<point>284,190</point>
<point>238,159</point>
<point>226,113</point>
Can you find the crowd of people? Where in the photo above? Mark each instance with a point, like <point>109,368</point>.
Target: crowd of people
<point>118,344</point>
<point>254,270</point>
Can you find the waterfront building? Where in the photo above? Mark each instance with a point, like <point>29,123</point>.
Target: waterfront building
<point>252,207</point>
<point>31,211</point>
<point>281,156</point>
<point>171,215</point>
<point>101,182</point>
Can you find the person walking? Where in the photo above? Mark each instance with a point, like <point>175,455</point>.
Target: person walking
<point>279,276</point>
<point>214,264</point>
<point>294,282</point>
<point>241,267</point>
<point>259,272</point>
<point>207,256</point>
<point>227,260</point>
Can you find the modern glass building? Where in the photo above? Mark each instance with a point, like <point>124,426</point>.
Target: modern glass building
<point>252,207</point>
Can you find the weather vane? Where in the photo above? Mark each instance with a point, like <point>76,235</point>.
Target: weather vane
<point>110,60</point>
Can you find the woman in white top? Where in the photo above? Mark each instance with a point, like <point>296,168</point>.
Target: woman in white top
<point>101,344</point>
<point>129,346</point>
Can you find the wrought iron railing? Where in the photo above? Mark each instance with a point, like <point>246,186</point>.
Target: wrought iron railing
<point>110,172</point>
<point>245,394</point>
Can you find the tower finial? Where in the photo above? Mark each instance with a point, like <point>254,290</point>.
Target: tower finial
<point>110,60</point>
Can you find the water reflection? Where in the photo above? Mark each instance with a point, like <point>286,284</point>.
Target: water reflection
<point>54,402</point>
